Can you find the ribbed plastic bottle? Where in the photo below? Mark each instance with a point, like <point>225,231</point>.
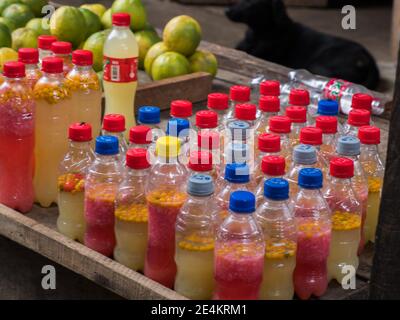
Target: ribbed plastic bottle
<point>30,57</point>
<point>298,118</point>
<point>63,50</point>
<point>114,125</point>
<point>281,125</point>
<point>356,119</point>
<point>44,46</point>
<point>219,103</point>
<point>328,125</point>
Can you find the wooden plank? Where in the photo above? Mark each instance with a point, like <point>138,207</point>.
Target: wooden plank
<point>395,35</point>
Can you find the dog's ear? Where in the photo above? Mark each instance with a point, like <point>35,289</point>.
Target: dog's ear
<point>280,15</point>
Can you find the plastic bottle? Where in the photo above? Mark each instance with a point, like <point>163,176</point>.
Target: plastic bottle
<point>268,145</point>
<point>63,50</point>
<point>85,88</point>
<point>210,141</point>
<point>271,167</point>
<point>194,236</point>
<point>238,131</point>
<point>238,94</point>
<point>301,97</point>
<point>313,137</point>
<point>101,186</point>
<point>219,103</point>
<point>140,137</point>
<point>298,118</point>
<point>269,106</point>
<point>356,119</point>
<point>44,46</point>
<point>374,171</point>
<point>165,194</point>
<point>71,181</point>
<point>349,147</point>
<point>328,125</point>
<point>200,162</point>
<point>51,129</point>
<point>131,214</point>
<point>329,108</point>
<point>17,116</point>
<point>345,218</point>
<point>114,125</point>
<point>279,228</point>
<point>239,251</point>
<point>270,88</point>
<point>120,69</point>
<point>281,125</point>
<point>313,235</point>
<point>182,109</point>
<point>246,112</point>
<point>207,121</point>
<point>30,57</point>
<point>150,117</point>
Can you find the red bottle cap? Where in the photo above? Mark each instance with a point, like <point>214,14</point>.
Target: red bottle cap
<point>359,117</point>
<point>82,57</point>
<point>280,124</point>
<point>369,135</point>
<point>311,136</point>
<point>245,111</point>
<point>114,123</point>
<point>268,142</point>
<point>239,93</point>
<point>45,41</point>
<point>181,109</point>
<point>297,114</point>
<point>80,132</point>
<point>206,119</point>
<point>270,88</point>
<point>28,55</point>
<point>52,65</point>
<point>200,161</point>
<point>218,101</point>
<point>299,97</point>
<point>136,158</point>
<point>208,140</point>
<point>140,135</point>
<point>14,69</point>
<point>269,103</point>
<point>61,47</point>
<point>362,101</point>
<point>273,165</point>
<point>121,19</point>
<point>341,168</point>
<point>328,124</point>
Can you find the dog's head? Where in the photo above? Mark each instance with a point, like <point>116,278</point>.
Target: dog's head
<point>259,14</point>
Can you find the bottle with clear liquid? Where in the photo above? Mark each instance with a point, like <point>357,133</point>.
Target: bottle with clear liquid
<point>44,46</point>
<point>312,215</point>
<point>239,251</point>
<point>63,50</point>
<point>346,219</point>
<point>165,194</point>
<point>279,228</point>
<point>131,214</point>
<point>120,69</point>
<point>329,126</point>
<point>298,118</point>
<point>194,247</point>
<point>114,125</point>
<point>30,57</point>
<point>374,171</point>
<point>71,181</point>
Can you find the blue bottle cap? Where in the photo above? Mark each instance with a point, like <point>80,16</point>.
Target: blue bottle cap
<point>304,154</point>
<point>239,130</point>
<point>328,108</point>
<point>107,145</point>
<point>242,202</point>
<point>177,125</point>
<point>348,146</point>
<point>237,173</point>
<point>237,152</point>
<point>149,115</point>
<point>310,178</point>
<point>200,185</point>
<point>276,189</point>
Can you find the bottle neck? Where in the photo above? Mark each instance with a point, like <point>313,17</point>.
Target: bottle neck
<point>53,76</point>
<point>82,68</point>
<point>370,148</point>
<point>31,67</point>
<point>167,160</point>
<point>341,181</point>
<point>121,28</point>
<point>78,145</point>
<point>137,172</point>
<point>14,80</point>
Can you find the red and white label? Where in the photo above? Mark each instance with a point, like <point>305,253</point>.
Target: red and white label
<point>335,88</point>
<point>120,70</point>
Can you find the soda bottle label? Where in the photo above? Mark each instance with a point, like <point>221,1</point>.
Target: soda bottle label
<point>120,70</point>
<point>334,88</point>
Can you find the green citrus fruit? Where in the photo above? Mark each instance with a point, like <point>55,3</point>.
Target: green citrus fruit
<point>35,6</point>
<point>203,61</point>
<point>169,64</point>
<point>24,38</point>
<point>149,27</point>
<point>9,23</point>
<point>5,36</point>
<point>145,39</point>
<point>39,25</point>
<point>68,24</point>
<point>19,13</point>
<point>7,54</point>
<point>136,10</point>
<point>100,75</point>
<point>106,19</point>
<point>96,8</point>
<point>92,20</point>
<point>5,3</point>
<point>182,34</point>
<point>152,54</point>
<point>95,43</point>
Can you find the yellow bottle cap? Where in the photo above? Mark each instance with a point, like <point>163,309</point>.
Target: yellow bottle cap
<point>167,147</point>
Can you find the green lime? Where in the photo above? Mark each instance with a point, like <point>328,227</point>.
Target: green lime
<point>92,20</point>
<point>106,19</point>
<point>9,23</point>
<point>5,36</point>
<point>152,54</point>
<point>203,61</point>
<point>145,39</point>
<point>36,6</point>
<point>96,8</point>
<point>169,64</point>
<point>24,38</point>
<point>39,25</point>
<point>19,13</point>
<point>5,3</point>
<point>95,43</point>
<point>136,10</point>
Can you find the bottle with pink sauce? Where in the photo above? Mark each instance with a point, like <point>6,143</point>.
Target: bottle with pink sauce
<point>356,119</point>
<point>165,194</point>
<point>101,185</point>
<point>301,98</point>
<point>63,50</point>
<point>312,215</point>
<point>17,115</point>
<point>269,106</point>
<point>30,57</point>
<point>298,118</point>
<point>329,127</point>
<point>239,251</point>
<point>44,46</point>
<point>114,125</point>
<point>238,94</point>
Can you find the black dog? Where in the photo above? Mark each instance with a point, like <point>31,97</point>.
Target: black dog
<point>273,36</point>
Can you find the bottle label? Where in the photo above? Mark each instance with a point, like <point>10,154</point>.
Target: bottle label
<point>120,70</point>
<point>335,88</point>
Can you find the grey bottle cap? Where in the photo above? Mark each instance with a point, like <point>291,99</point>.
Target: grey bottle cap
<point>200,185</point>
<point>239,130</point>
<point>237,152</point>
<point>348,146</point>
<point>304,154</point>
